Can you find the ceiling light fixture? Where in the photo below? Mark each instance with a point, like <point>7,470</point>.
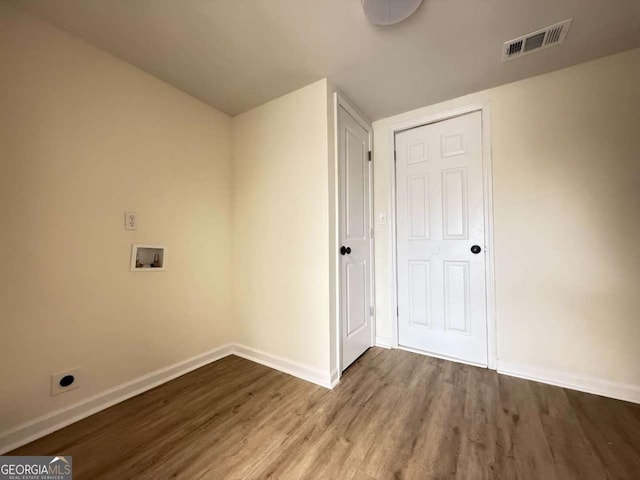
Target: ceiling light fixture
<point>389,12</point>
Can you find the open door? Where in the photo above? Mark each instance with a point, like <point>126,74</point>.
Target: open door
<point>354,172</point>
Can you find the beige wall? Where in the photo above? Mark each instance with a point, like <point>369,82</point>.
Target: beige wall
<point>566,183</point>
<point>281,232</point>
<point>84,137</point>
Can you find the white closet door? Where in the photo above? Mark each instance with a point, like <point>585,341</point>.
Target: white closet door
<point>440,239</point>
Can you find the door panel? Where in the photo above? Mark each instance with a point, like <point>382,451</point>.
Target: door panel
<point>357,312</point>
<point>440,216</point>
<point>419,292</point>
<point>456,296</point>
<point>356,151</point>
<point>454,201</point>
<point>354,210</point>
<point>418,201</point>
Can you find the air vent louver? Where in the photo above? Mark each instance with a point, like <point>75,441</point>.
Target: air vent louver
<point>534,41</point>
<point>515,48</point>
<point>553,35</point>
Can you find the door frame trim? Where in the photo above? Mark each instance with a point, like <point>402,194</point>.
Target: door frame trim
<point>339,100</point>
<point>487,184</point>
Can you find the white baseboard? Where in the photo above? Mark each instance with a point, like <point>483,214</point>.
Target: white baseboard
<point>597,386</point>
<point>50,422</point>
<point>305,372</point>
<point>335,377</point>
<point>384,342</point>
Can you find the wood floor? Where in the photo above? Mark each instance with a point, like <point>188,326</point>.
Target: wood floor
<point>395,415</point>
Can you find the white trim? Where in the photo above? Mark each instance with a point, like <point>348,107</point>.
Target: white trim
<point>384,342</point>
<point>339,100</point>
<point>300,370</point>
<point>393,232</point>
<point>50,422</point>
<point>582,383</point>
<point>490,279</point>
<point>487,175</point>
<point>45,424</point>
<point>343,102</point>
<point>335,377</point>
<point>336,239</point>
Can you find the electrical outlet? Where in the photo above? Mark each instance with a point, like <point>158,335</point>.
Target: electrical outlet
<point>130,221</point>
<point>64,381</point>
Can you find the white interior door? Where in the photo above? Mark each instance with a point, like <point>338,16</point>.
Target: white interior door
<point>440,239</point>
<point>355,237</point>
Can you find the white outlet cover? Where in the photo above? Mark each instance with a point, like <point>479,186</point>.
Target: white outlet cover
<point>57,389</point>
<point>382,218</point>
<point>130,221</point>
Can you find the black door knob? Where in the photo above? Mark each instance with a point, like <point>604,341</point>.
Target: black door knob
<point>476,249</point>
<point>345,250</point>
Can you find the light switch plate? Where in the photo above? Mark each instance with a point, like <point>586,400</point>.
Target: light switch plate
<point>130,221</point>
<point>382,218</point>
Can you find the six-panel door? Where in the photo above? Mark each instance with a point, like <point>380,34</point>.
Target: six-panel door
<point>440,219</point>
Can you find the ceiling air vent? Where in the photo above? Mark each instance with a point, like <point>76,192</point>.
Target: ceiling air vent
<point>534,41</point>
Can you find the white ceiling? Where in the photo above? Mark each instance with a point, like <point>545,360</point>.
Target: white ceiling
<point>237,54</point>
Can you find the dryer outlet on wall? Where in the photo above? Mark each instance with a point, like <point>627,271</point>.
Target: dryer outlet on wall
<point>64,381</point>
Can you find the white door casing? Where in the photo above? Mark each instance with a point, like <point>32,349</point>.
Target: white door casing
<point>354,172</point>
<point>439,217</point>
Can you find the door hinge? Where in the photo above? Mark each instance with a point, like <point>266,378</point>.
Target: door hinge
<point>369,155</point>
<point>397,311</point>
<point>372,310</point>
<point>394,155</point>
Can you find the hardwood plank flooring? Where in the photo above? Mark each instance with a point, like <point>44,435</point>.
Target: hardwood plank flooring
<point>394,415</point>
